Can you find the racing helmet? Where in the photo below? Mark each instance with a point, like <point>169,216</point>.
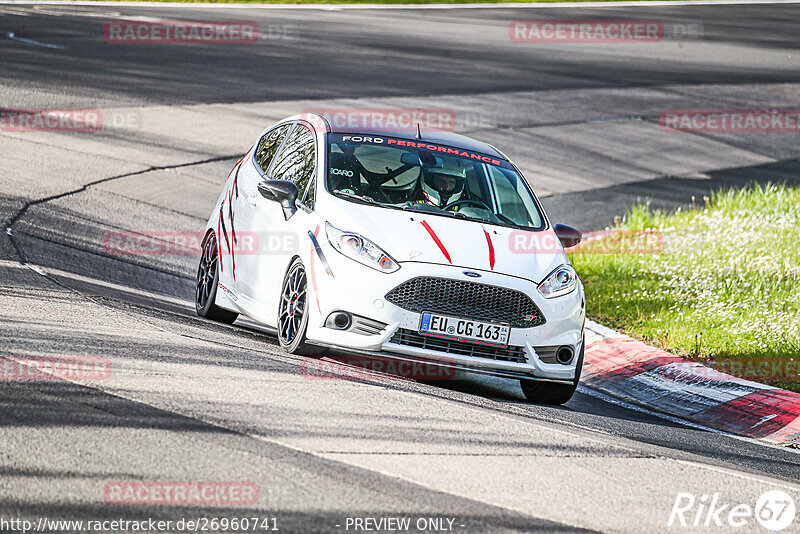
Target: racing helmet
<point>445,184</point>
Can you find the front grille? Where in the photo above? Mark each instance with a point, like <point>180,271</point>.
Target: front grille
<point>411,338</point>
<point>467,299</point>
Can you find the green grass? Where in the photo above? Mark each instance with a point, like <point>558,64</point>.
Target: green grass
<point>725,286</point>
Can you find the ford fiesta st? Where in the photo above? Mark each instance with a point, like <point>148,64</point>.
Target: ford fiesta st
<point>403,245</point>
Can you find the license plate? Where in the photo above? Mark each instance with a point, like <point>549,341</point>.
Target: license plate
<point>445,326</point>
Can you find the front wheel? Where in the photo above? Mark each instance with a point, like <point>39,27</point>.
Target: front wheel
<point>550,393</point>
<point>293,311</point>
<point>207,280</point>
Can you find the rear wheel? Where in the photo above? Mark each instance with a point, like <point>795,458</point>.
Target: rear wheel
<point>550,393</point>
<point>207,280</point>
<point>293,312</point>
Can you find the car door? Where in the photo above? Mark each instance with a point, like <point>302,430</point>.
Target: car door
<point>245,201</point>
<point>278,238</point>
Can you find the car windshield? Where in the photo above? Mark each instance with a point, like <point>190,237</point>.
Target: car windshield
<point>419,176</point>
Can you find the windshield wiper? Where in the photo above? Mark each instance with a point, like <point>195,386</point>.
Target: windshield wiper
<point>363,198</point>
<point>416,209</point>
<point>498,223</point>
<point>366,199</point>
<point>503,220</point>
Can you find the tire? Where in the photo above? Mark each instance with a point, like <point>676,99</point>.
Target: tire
<point>293,312</point>
<point>550,393</point>
<point>206,287</point>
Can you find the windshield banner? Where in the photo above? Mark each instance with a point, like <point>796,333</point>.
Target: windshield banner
<point>418,144</point>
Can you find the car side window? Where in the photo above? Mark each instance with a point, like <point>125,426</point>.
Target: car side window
<point>311,193</point>
<point>297,159</point>
<point>269,144</point>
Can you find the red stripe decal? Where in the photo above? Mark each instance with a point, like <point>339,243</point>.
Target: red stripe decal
<point>436,240</point>
<point>233,232</point>
<point>233,258</point>
<point>313,274</point>
<point>242,158</point>
<point>219,240</point>
<point>491,248</point>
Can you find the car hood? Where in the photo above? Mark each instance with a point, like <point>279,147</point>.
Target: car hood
<point>420,237</point>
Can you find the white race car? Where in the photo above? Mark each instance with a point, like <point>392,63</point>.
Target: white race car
<point>425,247</point>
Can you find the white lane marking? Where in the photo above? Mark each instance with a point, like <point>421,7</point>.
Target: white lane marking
<point>13,264</point>
<point>138,18</point>
<point>336,7</point>
<point>67,10</point>
<point>16,11</point>
<point>31,42</point>
<point>51,271</point>
<point>765,419</point>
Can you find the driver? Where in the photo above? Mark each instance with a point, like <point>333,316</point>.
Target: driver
<point>444,185</point>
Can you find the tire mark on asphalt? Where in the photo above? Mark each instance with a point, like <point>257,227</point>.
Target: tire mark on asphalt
<point>9,224</point>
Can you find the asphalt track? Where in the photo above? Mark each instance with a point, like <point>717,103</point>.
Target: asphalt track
<point>191,400</point>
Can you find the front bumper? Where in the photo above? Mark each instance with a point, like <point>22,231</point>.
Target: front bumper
<point>359,290</point>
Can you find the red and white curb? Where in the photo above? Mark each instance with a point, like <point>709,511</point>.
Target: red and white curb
<point>623,367</point>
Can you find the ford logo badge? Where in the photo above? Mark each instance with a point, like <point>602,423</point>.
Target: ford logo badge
<point>472,274</point>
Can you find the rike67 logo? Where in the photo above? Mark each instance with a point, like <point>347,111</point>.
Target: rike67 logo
<point>774,510</point>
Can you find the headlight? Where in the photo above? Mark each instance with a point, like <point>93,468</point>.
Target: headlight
<point>561,281</point>
<point>360,249</point>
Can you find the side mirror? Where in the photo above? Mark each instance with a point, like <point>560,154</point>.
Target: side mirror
<point>281,191</point>
<point>568,235</point>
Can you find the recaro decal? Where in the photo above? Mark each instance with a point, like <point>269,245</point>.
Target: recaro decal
<point>342,172</point>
